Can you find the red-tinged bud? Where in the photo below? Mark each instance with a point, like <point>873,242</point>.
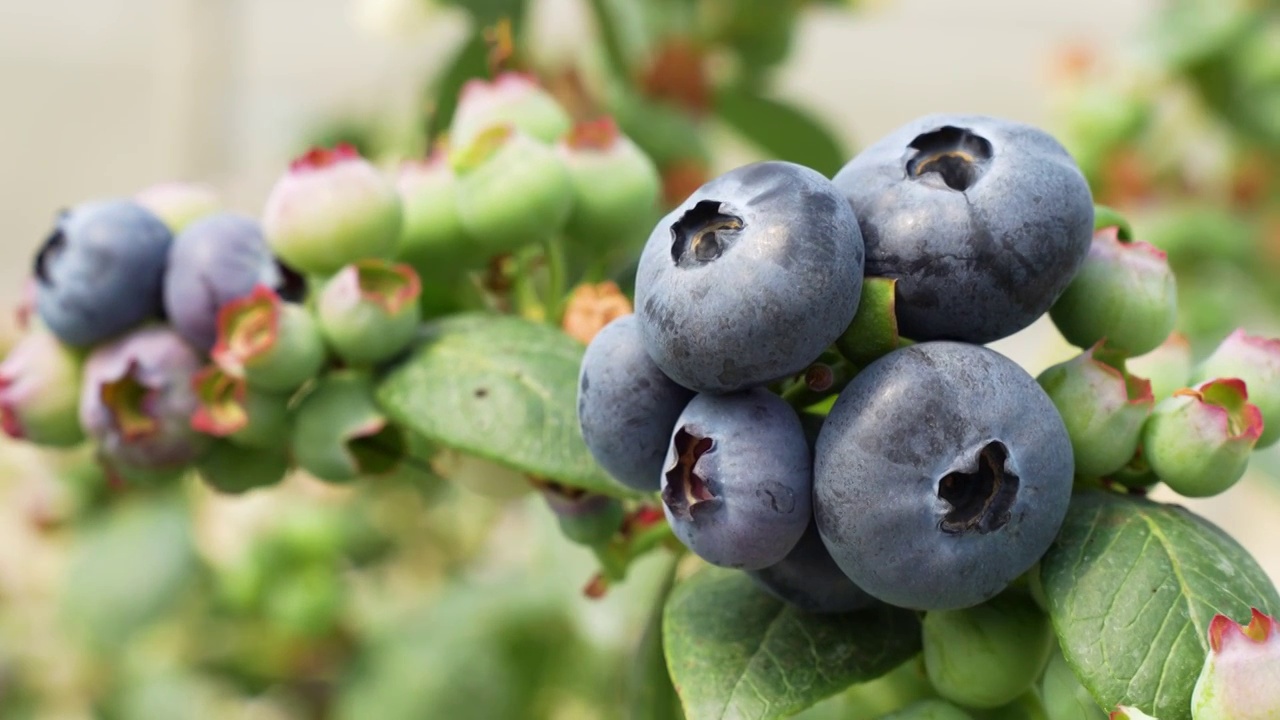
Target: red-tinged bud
<point>1241,675</point>
<point>275,346</point>
<point>40,391</point>
<point>1198,441</point>
<point>369,311</point>
<point>333,207</point>
<point>509,99</point>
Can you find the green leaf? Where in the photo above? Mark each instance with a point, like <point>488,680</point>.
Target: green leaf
<point>736,652</point>
<point>782,131</point>
<point>1132,586</point>
<point>499,388</point>
<point>128,569</point>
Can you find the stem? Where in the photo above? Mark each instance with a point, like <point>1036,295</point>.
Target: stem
<point>818,383</point>
<point>526,296</point>
<point>554,251</point>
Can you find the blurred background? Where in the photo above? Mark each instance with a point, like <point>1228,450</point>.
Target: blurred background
<point>418,599</point>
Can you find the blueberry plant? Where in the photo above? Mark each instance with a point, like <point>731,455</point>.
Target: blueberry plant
<point>863,511</point>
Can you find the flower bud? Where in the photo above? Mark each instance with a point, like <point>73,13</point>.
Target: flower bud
<point>178,204</point>
<point>340,434</point>
<point>1168,367</point>
<point>369,312</point>
<point>512,190</point>
<point>1256,361</point>
<point>1103,409</point>
<point>615,187</point>
<point>228,408</point>
<point>1241,675</point>
<point>1198,441</point>
<point>40,391</point>
<point>234,469</point>
<point>333,207</point>
<point>275,346</point>
<point>1124,294</point>
<point>137,401</point>
<point>509,99</point>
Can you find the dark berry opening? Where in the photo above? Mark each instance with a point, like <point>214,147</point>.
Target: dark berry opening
<point>703,233</point>
<point>982,500</point>
<point>293,286</point>
<point>53,246</point>
<point>957,155</point>
<point>379,453</point>
<point>686,489</point>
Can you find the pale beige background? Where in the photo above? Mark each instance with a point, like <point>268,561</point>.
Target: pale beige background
<point>102,97</point>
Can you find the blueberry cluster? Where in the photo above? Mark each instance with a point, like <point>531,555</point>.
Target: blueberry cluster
<point>943,470</point>
<point>171,334</point>
<point>174,334</point>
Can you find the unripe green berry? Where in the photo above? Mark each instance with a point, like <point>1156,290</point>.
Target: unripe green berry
<point>615,187</point>
<point>229,408</point>
<point>40,391</point>
<point>987,655</point>
<point>1168,367</point>
<point>179,204</point>
<point>512,190</point>
<point>929,710</point>
<point>233,469</point>
<point>274,345</point>
<point>1256,361</point>
<point>510,99</point>
<point>1124,293</point>
<point>340,434</point>
<point>1198,441</point>
<point>369,312</point>
<point>1064,697</point>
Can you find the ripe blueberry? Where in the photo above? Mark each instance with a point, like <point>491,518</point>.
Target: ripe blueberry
<point>738,479</point>
<point>942,474</point>
<point>749,279</point>
<point>100,271</point>
<point>626,406</point>
<point>213,261</point>
<point>982,221</point>
<point>810,580</point>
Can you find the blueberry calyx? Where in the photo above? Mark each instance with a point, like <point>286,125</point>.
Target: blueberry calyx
<point>686,490</point>
<point>128,400</point>
<point>45,257</point>
<point>702,233</point>
<point>980,499</point>
<point>957,155</point>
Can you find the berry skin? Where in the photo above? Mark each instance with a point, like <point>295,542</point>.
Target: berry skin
<point>178,204</point>
<point>1124,296</point>
<point>432,238</point>
<point>234,469</point>
<point>810,580</point>
<point>512,190</point>
<point>749,279</point>
<point>137,401</point>
<point>1103,408</point>
<point>982,221</point>
<point>1241,675</point>
<point>1256,361</point>
<point>332,208</point>
<point>40,391</point>
<point>615,187</point>
<point>509,99</point>
<point>1064,697</point>
<point>213,261</point>
<point>275,346</point>
<point>1198,442</point>
<point>369,311</point>
<point>942,473</point>
<point>99,273</point>
<point>738,479</point>
<point>929,710</point>
<point>987,655</point>
<point>626,407</point>
<point>1168,367</point>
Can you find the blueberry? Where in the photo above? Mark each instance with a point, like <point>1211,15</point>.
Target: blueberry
<point>942,474</point>
<point>810,580</point>
<point>626,406</point>
<point>983,222</point>
<point>738,479</point>
<point>213,261</point>
<point>749,279</point>
<point>100,271</point>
